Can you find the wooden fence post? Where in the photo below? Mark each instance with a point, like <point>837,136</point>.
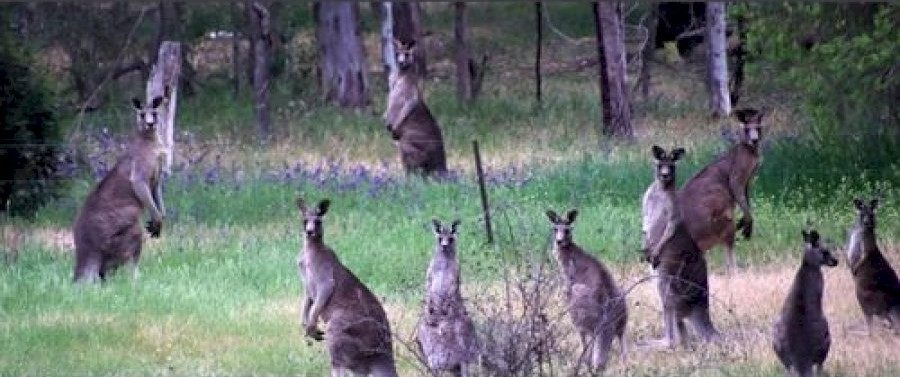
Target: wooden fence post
<point>484,199</point>
<point>164,77</point>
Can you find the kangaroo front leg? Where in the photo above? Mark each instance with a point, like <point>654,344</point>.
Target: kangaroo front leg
<point>141,187</point>
<point>324,289</point>
<point>743,200</point>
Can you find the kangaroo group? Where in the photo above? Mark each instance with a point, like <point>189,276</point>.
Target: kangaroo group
<point>679,225</point>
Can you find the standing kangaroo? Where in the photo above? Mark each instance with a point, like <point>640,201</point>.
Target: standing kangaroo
<point>414,130</point>
<point>801,338</point>
<point>358,335</point>
<point>595,303</point>
<point>658,202</point>
<point>445,333</point>
<point>877,287</point>
<point>708,198</point>
<point>107,230</point>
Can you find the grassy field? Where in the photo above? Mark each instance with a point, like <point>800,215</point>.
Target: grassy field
<point>218,293</point>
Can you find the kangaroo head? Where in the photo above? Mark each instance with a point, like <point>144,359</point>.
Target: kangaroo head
<point>814,254</point>
<point>751,121</point>
<point>147,117</point>
<point>562,227</point>
<point>666,163</point>
<point>866,213</point>
<point>312,219</point>
<point>446,237</point>
<point>404,54</point>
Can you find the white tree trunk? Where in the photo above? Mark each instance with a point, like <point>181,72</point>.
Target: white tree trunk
<point>387,39</point>
<point>611,53</point>
<point>717,60</point>
<point>164,77</point>
<point>343,72</point>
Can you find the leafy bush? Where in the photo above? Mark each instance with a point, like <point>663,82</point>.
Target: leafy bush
<point>29,133</point>
<point>843,61</point>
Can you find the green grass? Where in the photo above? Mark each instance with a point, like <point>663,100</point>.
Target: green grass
<point>218,292</point>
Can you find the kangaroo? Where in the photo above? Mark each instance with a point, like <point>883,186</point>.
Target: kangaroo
<point>595,303</point>
<point>107,230</point>
<point>446,335</point>
<point>801,338</point>
<point>683,282</point>
<point>658,202</point>
<point>358,335</point>
<point>708,198</point>
<point>877,286</point>
<point>414,130</point>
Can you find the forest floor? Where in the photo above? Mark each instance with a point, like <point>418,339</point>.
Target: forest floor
<point>218,293</point>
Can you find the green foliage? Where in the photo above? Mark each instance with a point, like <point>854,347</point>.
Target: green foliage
<point>842,61</point>
<point>29,132</point>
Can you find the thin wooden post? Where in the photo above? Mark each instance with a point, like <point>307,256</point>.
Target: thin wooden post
<point>538,24</point>
<point>484,199</point>
<point>163,82</point>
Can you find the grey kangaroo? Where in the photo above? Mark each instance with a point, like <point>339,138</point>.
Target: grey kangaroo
<point>708,198</point>
<point>801,338</point>
<point>595,303</point>
<point>107,230</point>
<point>658,203</point>
<point>877,286</point>
<point>445,333</point>
<point>358,335</point>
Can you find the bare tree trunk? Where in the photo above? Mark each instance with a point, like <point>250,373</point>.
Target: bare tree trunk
<point>740,56</point>
<point>463,55</point>
<point>236,47</point>
<point>163,82</point>
<point>717,60</point>
<point>538,25</point>
<point>611,54</point>
<point>408,27</point>
<point>342,60</point>
<point>262,72</point>
<point>387,37</point>
<point>251,50</point>
<point>647,51</point>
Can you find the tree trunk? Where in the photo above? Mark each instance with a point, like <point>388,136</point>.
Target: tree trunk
<point>236,48</point>
<point>717,60</point>
<point>387,37</point>
<point>342,60</point>
<point>408,27</point>
<point>463,55</point>
<point>740,56</point>
<point>648,50</point>
<point>164,79</point>
<point>167,25</point>
<point>539,36</point>
<point>611,55</point>
<point>250,32</point>
<point>262,72</point>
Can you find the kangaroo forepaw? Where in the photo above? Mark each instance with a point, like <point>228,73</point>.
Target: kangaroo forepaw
<point>154,227</point>
<point>746,226</point>
<point>315,333</point>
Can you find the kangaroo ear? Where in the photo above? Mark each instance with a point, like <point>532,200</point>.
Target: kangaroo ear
<point>301,204</point>
<point>156,102</point>
<point>658,152</point>
<point>412,44</point>
<point>805,235</point>
<point>454,225</point>
<point>136,103</point>
<point>858,203</point>
<point>873,204</point>
<point>761,113</point>
<point>554,218</point>
<point>436,225</point>
<point>323,207</point>
<point>677,153</point>
<point>573,213</point>
<point>813,237</point>
<point>747,115</point>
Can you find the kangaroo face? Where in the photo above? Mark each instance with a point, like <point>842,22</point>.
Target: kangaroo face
<point>815,254</point>
<point>562,227</point>
<point>866,213</point>
<point>312,219</point>
<point>147,117</point>
<point>404,54</point>
<point>446,237</point>
<point>666,163</point>
<point>751,119</point>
